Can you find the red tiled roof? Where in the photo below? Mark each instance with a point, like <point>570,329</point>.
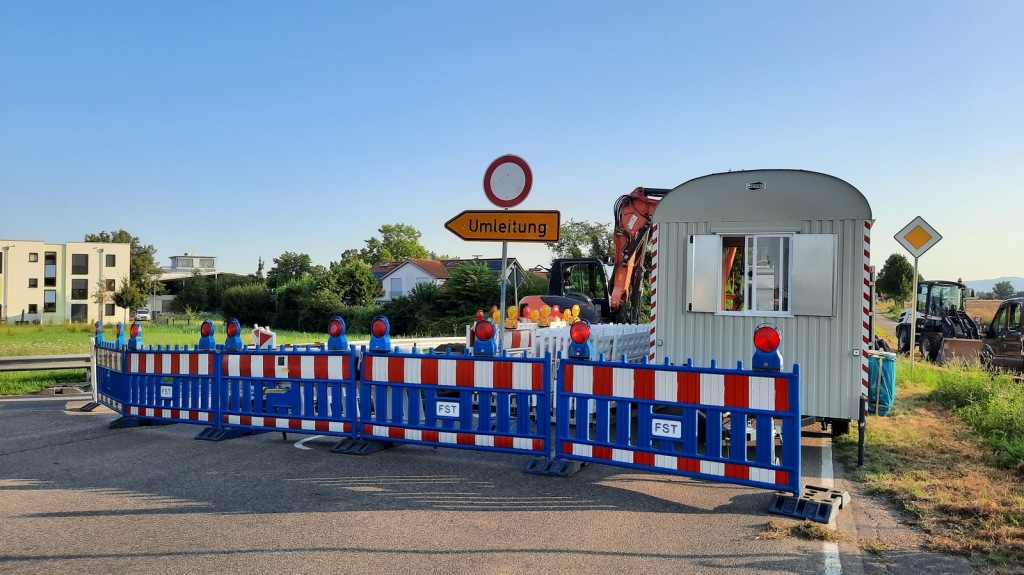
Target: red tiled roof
<point>432,267</point>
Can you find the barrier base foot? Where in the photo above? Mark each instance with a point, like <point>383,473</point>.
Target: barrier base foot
<point>89,406</point>
<point>125,422</point>
<point>222,433</point>
<point>552,467</point>
<point>815,503</point>
<point>360,446</point>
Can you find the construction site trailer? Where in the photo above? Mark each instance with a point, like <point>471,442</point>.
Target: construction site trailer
<point>789,247</point>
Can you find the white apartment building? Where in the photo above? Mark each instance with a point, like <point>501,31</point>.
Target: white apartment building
<point>57,283</point>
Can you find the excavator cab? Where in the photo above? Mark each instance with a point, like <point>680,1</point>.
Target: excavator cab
<point>577,281</point>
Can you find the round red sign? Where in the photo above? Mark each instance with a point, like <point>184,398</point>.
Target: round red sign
<point>507,181</point>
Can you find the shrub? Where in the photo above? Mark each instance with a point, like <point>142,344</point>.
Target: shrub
<point>248,303</point>
<point>358,318</point>
<point>318,310</point>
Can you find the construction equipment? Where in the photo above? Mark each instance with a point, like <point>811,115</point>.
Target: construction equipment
<point>944,330</point>
<point>583,281</point>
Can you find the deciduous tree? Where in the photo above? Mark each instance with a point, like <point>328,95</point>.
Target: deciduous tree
<point>1003,290</point>
<point>584,240</point>
<point>144,270</point>
<point>288,267</point>
<point>896,280</point>
<point>397,242</point>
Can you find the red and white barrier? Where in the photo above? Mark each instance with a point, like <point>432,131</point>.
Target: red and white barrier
<point>454,370</point>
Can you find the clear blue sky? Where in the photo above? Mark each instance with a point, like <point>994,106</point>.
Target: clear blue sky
<point>246,129</point>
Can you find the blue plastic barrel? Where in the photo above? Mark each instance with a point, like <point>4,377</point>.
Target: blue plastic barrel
<point>886,396</point>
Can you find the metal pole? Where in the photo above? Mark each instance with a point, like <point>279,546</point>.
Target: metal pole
<point>862,424</point>
<point>501,314</point>
<point>6,261</point>
<point>913,319</point>
<point>103,288</point>
<point>871,316</point>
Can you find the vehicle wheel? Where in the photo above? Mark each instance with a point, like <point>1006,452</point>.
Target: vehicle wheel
<point>930,344</point>
<point>903,337</point>
<point>840,427</point>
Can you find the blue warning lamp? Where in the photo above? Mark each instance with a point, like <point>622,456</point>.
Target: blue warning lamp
<point>485,343</point>
<point>233,342</point>
<point>380,334</point>
<point>580,344</point>
<point>119,332</point>
<point>99,332</point>
<point>135,339</point>
<point>206,336</point>
<point>767,340</point>
<point>336,330</point>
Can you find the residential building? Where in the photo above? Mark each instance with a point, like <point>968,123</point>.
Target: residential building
<point>399,278</point>
<point>174,275</point>
<point>57,283</point>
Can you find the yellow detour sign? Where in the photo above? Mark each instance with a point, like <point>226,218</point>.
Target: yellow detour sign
<point>506,226</point>
<point>918,237</point>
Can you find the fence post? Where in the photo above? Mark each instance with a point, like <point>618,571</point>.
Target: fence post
<point>217,387</point>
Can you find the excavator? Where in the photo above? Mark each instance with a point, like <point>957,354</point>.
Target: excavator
<point>583,281</point>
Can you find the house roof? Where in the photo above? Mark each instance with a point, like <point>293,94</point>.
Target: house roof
<point>432,267</point>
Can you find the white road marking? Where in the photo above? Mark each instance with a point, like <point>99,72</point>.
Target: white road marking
<point>830,549</point>
<point>299,444</point>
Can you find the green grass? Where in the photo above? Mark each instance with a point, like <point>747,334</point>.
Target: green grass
<point>64,339</point>
<point>16,340</point>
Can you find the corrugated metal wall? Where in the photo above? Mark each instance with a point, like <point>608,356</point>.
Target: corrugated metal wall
<point>823,346</point>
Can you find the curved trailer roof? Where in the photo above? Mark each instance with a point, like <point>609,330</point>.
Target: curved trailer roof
<point>787,195</point>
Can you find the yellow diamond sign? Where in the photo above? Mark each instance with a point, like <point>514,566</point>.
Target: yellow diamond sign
<point>918,237</point>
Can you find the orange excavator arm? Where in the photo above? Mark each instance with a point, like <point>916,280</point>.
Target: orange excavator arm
<point>632,234</point>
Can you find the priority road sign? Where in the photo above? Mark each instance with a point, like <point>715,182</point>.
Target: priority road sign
<point>506,226</point>
<point>918,237</point>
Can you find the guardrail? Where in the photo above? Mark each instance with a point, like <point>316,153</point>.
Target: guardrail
<point>45,362</point>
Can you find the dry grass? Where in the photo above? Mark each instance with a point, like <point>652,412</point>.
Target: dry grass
<point>926,460</point>
<point>780,528</point>
<point>983,308</point>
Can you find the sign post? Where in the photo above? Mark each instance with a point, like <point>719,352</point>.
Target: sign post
<point>507,182</point>
<point>917,238</point>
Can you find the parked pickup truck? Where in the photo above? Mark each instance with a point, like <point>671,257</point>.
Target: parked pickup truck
<point>1002,345</point>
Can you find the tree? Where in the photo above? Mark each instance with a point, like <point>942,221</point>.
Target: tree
<point>101,295</point>
<point>288,267</point>
<point>355,283</point>
<point>1003,290</point>
<point>584,239</point>
<point>129,297</point>
<point>398,241</point>
<point>896,280</point>
<point>193,292</point>
<point>143,267</point>
<point>318,310</point>
<point>469,288</point>
<point>349,256</point>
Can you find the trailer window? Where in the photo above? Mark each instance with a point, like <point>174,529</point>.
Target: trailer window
<point>755,274</point>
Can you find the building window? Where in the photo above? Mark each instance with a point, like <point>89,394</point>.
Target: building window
<point>111,260</point>
<point>206,263</point>
<point>1,263</point>
<point>108,285</point>
<point>33,308</point>
<point>108,309</point>
<point>80,264</point>
<point>755,274</point>
<point>33,257</point>
<point>79,313</point>
<point>184,262</point>
<point>50,269</point>
<point>79,289</point>
<point>396,287</point>
<point>33,282</point>
<point>49,301</point>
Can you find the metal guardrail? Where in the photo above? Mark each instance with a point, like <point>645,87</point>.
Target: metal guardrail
<point>44,362</point>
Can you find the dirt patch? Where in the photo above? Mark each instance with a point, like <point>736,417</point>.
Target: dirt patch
<point>779,528</point>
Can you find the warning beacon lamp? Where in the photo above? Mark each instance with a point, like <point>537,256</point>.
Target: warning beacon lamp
<point>99,332</point>
<point>485,343</point>
<point>233,342</point>
<point>206,336</point>
<point>580,346</point>
<point>336,330</point>
<point>135,339</point>
<point>380,334</point>
<point>119,332</point>
<point>767,340</point>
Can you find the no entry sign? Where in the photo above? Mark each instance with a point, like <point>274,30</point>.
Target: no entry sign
<point>507,181</point>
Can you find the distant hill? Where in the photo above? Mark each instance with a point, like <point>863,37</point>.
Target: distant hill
<point>986,285</point>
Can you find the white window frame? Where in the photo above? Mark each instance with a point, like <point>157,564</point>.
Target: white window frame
<point>746,284</point>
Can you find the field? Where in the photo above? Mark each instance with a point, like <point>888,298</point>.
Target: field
<point>983,308</point>
<point>20,340</point>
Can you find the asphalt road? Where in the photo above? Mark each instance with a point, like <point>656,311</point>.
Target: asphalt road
<point>76,497</point>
